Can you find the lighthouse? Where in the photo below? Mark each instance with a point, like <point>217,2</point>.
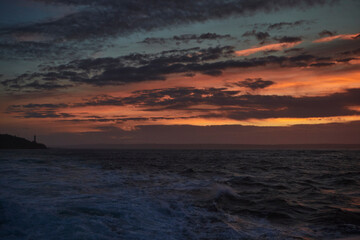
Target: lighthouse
<point>34,139</point>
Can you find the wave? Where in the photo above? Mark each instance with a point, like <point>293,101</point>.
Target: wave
<point>212,194</point>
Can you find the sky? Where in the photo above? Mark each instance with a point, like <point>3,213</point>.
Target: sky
<point>180,72</point>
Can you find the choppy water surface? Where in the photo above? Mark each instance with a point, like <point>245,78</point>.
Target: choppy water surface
<point>174,194</point>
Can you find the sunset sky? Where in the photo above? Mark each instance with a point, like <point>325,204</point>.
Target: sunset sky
<point>169,71</point>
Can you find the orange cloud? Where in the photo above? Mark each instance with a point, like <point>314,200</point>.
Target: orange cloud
<point>299,81</point>
<point>341,36</point>
<point>275,46</point>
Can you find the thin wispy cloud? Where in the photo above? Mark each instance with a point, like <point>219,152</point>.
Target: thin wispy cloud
<point>269,47</point>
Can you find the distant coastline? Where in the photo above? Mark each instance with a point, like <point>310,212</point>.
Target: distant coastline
<point>218,146</point>
<point>12,142</point>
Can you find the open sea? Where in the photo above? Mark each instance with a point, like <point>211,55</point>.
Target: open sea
<point>179,194</point>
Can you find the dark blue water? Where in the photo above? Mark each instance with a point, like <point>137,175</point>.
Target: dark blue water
<point>179,194</point>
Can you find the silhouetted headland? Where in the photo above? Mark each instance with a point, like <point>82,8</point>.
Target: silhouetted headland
<point>12,142</point>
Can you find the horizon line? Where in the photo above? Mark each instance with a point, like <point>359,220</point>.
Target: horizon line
<point>210,146</point>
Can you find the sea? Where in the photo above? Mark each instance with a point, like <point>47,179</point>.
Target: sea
<point>179,194</point>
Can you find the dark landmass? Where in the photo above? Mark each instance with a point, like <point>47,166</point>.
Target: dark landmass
<point>219,146</point>
<point>12,142</point>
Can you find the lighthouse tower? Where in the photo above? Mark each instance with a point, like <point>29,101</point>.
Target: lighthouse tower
<point>34,139</point>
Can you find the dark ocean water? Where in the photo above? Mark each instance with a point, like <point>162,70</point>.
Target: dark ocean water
<point>179,194</point>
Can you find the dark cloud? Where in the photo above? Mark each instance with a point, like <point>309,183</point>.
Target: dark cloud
<point>271,51</point>
<point>42,81</point>
<point>121,119</point>
<point>345,59</point>
<point>47,110</point>
<point>327,33</point>
<point>261,36</point>
<point>352,52</point>
<point>106,120</point>
<point>257,106</point>
<point>180,98</point>
<point>321,59</point>
<point>135,68</point>
<point>12,50</point>
<point>228,103</point>
<point>302,58</point>
<point>185,38</point>
<point>294,50</point>
<point>46,105</point>
<point>254,83</point>
<point>121,70</point>
<point>287,39</point>
<point>247,106</point>
<point>281,25</point>
<point>97,20</point>
<point>154,40</point>
<point>44,114</point>
<point>46,86</point>
<point>191,55</point>
<point>113,17</point>
<point>213,72</point>
<point>101,100</point>
<point>322,64</point>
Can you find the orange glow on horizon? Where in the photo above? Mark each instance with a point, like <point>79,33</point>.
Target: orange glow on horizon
<point>268,122</point>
